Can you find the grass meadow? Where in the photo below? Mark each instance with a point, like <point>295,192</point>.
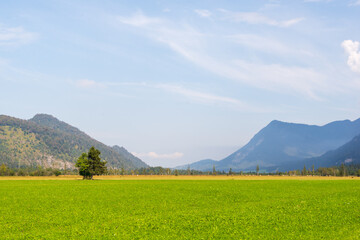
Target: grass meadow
<point>178,209</point>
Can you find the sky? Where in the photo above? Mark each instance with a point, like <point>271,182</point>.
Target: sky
<point>180,81</point>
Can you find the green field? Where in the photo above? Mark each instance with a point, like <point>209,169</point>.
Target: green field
<point>176,209</point>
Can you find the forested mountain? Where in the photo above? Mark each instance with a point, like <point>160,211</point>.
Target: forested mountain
<point>47,120</point>
<point>285,144</point>
<point>44,140</point>
<point>128,156</point>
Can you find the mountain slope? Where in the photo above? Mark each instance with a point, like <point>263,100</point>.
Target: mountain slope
<point>348,153</point>
<point>281,143</point>
<point>47,141</point>
<point>128,156</point>
<point>206,165</point>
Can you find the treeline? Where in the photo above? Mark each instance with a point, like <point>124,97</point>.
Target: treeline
<point>154,171</point>
<point>35,171</point>
<point>343,170</point>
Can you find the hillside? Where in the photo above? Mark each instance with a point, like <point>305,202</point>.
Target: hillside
<point>203,164</point>
<point>285,144</point>
<point>49,142</point>
<point>128,156</point>
<point>348,153</point>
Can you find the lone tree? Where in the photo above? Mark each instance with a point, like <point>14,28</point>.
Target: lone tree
<point>90,164</point>
<point>257,169</point>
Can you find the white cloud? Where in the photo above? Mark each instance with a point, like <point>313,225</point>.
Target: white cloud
<point>139,20</point>
<point>155,155</point>
<point>257,18</point>
<point>86,83</point>
<point>203,12</point>
<point>15,36</point>
<point>352,48</point>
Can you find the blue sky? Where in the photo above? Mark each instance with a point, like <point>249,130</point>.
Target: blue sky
<point>180,81</point>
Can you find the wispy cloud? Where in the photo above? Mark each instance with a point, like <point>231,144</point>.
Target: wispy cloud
<point>258,18</point>
<point>86,83</point>
<point>139,20</point>
<point>318,0</point>
<point>191,44</point>
<point>11,73</point>
<point>275,77</point>
<point>13,36</point>
<point>281,78</point>
<point>204,97</point>
<point>266,44</point>
<point>194,95</point>
<point>352,48</point>
<point>356,3</point>
<point>155,155</point>
<point>203,12</point>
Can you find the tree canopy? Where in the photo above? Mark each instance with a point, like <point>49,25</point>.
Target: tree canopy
<point>90,164</point>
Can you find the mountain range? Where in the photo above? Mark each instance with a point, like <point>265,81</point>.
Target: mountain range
<point>287,146</point>
<point>44,140</point>
<point>280,146</point>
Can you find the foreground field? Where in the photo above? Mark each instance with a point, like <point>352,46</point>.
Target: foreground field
<point>193,209</point>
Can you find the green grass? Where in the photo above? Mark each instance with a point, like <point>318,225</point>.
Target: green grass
<point>280,209</point>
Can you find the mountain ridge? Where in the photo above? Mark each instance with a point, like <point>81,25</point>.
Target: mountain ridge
<point>282,143</point>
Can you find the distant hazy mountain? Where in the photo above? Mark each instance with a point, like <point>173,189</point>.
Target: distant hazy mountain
<point>203,164</point>
<point>49,142</point>
<point>348,153</point>
<point>281,143</point>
